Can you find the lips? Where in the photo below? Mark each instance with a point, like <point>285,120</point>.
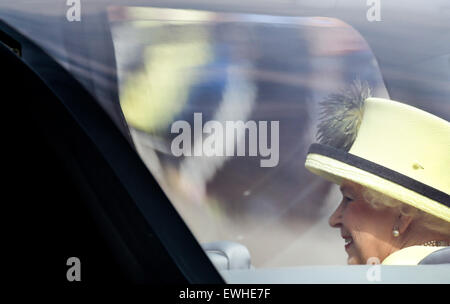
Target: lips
<point>348,241</point>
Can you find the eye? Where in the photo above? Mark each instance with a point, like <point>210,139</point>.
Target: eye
<point>346,199</point>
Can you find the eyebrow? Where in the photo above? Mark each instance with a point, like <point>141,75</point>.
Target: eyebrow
<point>344,188</point>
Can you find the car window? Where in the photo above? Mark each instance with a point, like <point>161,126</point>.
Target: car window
<point>188,78</point>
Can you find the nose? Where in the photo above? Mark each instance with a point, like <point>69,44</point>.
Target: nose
<point>335,219</point>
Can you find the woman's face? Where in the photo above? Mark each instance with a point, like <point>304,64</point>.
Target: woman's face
<point>367,232</point>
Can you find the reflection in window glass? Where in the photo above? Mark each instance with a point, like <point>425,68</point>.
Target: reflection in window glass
<point>199,71</point>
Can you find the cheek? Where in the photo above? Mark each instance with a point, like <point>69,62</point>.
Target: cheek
<point>369,228</point>
<point>362,216</point>
<point>359,225</point>
<point>356,216</point>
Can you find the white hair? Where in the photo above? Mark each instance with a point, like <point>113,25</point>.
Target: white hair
<point>430,222</point>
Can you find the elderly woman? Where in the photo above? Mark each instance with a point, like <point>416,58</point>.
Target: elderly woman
<point>392,162</point>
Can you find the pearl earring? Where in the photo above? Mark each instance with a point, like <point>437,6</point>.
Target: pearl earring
<point>395,232</point>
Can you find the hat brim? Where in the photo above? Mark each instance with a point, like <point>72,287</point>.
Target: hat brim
<point>337,165</point>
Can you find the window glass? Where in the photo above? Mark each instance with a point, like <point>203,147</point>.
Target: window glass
<point>222,108</point>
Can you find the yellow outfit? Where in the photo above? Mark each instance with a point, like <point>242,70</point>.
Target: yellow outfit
<point>409,255</point>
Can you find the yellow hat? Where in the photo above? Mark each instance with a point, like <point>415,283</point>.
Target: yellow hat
<point>398,150</point>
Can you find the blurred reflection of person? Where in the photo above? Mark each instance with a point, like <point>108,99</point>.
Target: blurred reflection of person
<point>392,163</point>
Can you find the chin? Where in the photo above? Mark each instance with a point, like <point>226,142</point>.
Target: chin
<point>351,260</point>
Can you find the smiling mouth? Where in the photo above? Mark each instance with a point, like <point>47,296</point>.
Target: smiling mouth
<point>348,242</point>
